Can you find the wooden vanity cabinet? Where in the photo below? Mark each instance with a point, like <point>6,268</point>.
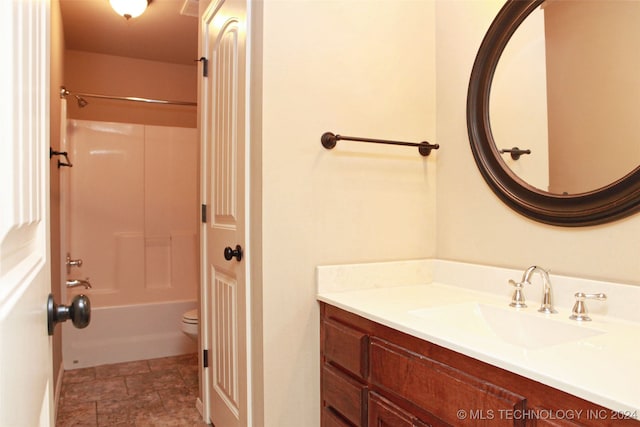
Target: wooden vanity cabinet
<point>376,376</point>
<point>344,372</point>
<point>428,384</point>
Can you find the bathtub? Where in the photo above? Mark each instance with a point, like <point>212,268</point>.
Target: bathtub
<point>137,233</point>
<point>127,333</point>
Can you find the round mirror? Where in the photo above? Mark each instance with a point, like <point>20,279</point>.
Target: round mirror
<point>552,109</point>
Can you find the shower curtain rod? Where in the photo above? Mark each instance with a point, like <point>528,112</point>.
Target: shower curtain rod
<point>64,92</point>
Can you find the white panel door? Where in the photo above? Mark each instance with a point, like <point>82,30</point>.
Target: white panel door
<point>224,190</point>
<point>26,372</point>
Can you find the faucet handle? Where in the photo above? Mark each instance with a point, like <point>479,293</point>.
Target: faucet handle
<point>517,300</point>
<point>72,263</point>
<point>579,311</point>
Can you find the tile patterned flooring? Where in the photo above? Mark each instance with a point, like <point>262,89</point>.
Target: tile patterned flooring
<point>156,392</point>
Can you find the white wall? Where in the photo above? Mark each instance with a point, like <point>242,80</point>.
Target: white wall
<point>473,224</point>
<point>360,68</point>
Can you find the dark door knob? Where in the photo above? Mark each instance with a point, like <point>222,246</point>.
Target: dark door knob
<point>79,311</point>
<point>231,253</point>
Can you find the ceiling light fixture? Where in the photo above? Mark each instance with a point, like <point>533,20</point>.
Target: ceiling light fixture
<point>129,8</point>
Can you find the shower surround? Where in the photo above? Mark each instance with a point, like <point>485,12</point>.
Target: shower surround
<point>131,202</point>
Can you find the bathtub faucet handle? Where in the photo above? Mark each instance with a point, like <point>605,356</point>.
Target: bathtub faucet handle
<point>79,282</point>
<point>72,263</point>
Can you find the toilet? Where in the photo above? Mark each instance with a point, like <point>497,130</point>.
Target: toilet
<point>190,323</point>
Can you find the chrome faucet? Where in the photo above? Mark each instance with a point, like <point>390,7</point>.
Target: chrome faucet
<point>518,296</point>
<point>79,282</point>
<point>546,306</point>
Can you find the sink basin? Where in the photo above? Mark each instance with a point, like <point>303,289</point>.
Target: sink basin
<point>527,330</point>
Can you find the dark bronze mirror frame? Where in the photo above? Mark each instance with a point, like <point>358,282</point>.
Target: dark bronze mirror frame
<point>614,201</point>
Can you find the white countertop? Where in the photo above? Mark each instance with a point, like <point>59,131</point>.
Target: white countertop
<point>603,368</point>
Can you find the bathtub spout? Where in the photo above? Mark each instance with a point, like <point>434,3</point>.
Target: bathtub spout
<point>79,282</point>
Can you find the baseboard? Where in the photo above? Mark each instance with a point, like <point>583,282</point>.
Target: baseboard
<point>56,392</point>
<point>199,407</point>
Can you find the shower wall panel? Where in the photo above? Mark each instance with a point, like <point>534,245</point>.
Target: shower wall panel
<point>171,197</point>
<point>133,211</point>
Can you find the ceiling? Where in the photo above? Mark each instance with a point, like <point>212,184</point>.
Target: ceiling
<point>161,33</point>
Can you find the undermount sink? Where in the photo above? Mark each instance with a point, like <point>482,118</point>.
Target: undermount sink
<point>527,330</point>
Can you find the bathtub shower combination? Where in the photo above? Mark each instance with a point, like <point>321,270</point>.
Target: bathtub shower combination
<point>130,213</point>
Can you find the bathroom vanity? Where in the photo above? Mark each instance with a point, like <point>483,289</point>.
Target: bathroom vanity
<point>420,354</point>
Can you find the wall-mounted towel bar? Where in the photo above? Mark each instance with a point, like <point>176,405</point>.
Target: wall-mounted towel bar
<point>66,163</point>
<point>329,141</point>
<point>515,152</point>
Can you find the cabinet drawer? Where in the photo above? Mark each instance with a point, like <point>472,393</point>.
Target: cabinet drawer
<point>330,419</point>
<point>345,347</point>
<point>551,423</point>
<point>343,395</point>
<point>441,389</point>
<point>383,413</point>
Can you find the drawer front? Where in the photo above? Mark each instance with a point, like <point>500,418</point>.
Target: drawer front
<point>551,423</point>
<point>440,389</point>
<point>345,347</point>
<point>383,413</point>
<point>343,395</point>
<point>331,419</point>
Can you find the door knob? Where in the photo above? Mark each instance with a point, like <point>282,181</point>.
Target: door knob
<point>79,311</point>
<point>230,253</point>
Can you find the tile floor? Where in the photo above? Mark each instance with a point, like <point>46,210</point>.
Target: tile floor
<point>156,392</point>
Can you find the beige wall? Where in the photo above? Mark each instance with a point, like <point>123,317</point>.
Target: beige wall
<point>593,139</point>
<point>473,224</point>
<point>110,75</point>
<point>354,68</point>
<point>518,102</point>
<point>57,73</point>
